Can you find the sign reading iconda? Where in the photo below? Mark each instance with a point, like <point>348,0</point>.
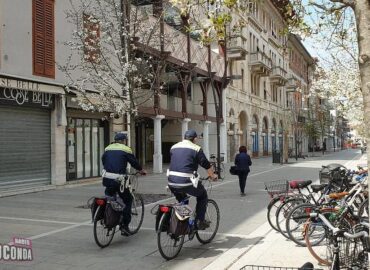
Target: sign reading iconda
<point>24,93</point>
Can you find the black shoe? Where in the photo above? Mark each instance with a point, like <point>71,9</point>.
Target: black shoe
<point>202,225</point>
<point>125,231</point>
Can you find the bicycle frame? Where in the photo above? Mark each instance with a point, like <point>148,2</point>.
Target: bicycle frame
<point>336,233</point>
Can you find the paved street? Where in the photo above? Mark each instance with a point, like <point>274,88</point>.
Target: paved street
<point>62,236</point>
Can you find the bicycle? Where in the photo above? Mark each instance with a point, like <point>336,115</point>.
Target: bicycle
<point>170,242</point>
<point>103,234</point>
<point>213,160</point>
<point>294,225</point>
<point>346,250</point>
<point>344,217</point>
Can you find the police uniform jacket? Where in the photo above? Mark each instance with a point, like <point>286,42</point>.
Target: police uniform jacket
<point>116,157</point>
<point>185,158</point>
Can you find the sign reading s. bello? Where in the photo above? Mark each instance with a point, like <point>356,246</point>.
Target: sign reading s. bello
<point>24,93</point>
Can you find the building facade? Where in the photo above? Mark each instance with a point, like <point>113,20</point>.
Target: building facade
<point>49,139</point>
<point>264,107</point>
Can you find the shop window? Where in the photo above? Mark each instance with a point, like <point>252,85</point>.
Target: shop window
<point>86,140</point>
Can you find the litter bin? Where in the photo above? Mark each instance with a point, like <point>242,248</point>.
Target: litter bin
<point>276,156</point>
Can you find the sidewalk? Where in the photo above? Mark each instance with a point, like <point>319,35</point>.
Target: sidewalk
<point>264,247</point>
<point>268,247</point>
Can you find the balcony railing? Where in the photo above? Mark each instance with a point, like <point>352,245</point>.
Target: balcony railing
<point>292,83</point>
<point>278,76</point>
<point>236,48</point>
<point>260,63</point>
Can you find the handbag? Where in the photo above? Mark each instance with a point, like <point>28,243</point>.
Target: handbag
<point>233,170</point>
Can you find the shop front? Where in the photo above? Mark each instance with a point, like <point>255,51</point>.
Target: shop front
<point>27,114</point>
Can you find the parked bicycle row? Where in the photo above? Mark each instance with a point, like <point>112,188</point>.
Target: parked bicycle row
<point>330,218</point>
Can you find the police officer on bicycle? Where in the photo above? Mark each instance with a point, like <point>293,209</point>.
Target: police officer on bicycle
<point>182,174</point>
<point>115,159</point>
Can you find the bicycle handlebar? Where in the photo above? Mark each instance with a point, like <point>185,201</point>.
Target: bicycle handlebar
<point>356,235</point>
<point>336,230</point>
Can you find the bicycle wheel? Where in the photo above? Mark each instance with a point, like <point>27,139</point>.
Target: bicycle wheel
<point>296,223</point>
<point>271,211</point>
<point>283,211</point>
<point>102,235</point>
<point>137,213</point>
<point>212,215</point>
<point>169,245</point>
<point>316,230</point>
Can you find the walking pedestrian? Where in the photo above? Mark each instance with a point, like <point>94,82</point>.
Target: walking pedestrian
<point>242,162</point>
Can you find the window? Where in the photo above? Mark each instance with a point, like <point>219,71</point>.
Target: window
<point>43,50</point>
<point>91,38</point>
<point>264,90</point>
<point>274,93</point>
<point>255,84</point>
<point>243,79</point>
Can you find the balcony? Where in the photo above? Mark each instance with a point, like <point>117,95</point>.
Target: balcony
<point>291,84</point>
<point>260,64</point>
<point>236,48</point>
<point>278,76</point>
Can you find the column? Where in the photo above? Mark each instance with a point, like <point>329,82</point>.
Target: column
<point>223,146</point>
<point>58,142</point>
<point>184,126</point>
<point>206,138</point>
<point>157,157</point>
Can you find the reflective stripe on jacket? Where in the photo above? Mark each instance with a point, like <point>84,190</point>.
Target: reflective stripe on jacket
<point>116,157</point>
<point>185,158</point>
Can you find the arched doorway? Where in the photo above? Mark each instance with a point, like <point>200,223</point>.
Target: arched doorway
<point>243,126</point>
<point>273,135</point>
<point>255,136</point>
<point>265,136</point>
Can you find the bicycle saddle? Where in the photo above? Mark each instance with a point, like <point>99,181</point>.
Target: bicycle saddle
<point>317,188</point>
<point>297,184</point>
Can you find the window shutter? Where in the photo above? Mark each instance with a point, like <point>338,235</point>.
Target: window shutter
<point>49,39</point>
<point>43,38</point>
<point>38,37</point>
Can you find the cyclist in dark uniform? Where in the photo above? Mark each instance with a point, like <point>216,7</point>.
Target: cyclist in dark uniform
<point>185,158</point>
<point>115,159</point>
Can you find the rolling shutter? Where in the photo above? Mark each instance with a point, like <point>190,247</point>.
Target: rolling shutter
<point>25,147</point>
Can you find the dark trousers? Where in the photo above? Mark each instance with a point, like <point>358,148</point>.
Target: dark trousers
<point>242,180</point>
<point>199,192</point>
<point>111,188</point>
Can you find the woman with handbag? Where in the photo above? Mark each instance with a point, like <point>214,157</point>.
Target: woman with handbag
<point>242,163</point>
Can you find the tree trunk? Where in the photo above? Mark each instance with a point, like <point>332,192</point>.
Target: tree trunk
<point>285,146</point>
<point>362,13</point>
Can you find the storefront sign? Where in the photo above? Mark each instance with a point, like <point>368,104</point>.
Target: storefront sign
<point>19,97</point>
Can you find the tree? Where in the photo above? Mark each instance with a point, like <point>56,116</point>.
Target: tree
<point>310,128</point>
<point>110,67</point>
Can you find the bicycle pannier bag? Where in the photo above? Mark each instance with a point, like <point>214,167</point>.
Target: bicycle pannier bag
<point>233,170</point>
<point>112,214</point>
<point>179,222</point>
